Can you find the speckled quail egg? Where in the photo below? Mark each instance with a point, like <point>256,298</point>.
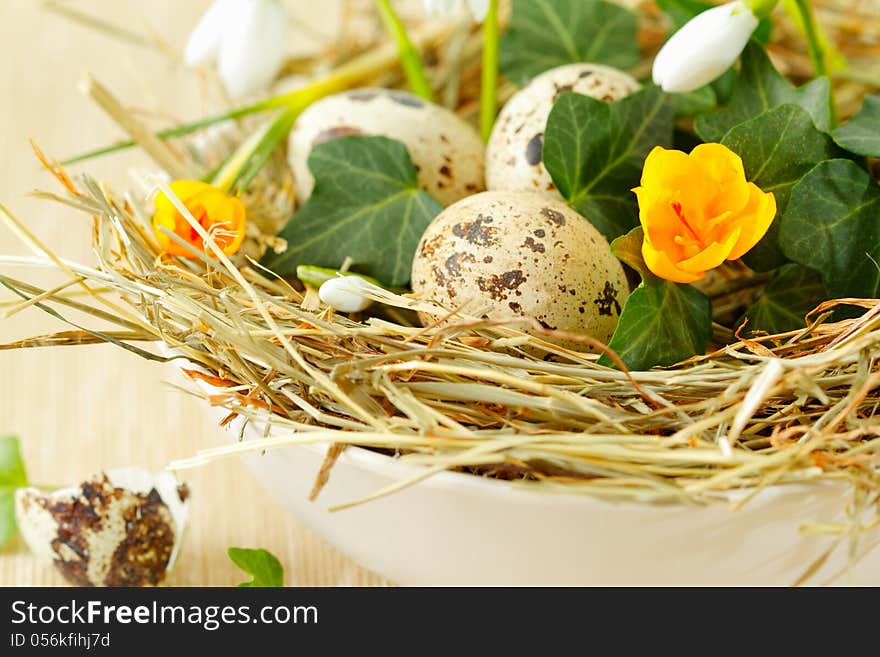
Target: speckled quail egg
<point>447,151</point>
<point>522,254</point>
<point>120,528</point>
<point>513,156</point>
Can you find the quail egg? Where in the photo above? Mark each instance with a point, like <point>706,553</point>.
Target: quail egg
<point>447,152</point>
<point>522,255</point>
<point>120,528</point>
<point>513,155</point>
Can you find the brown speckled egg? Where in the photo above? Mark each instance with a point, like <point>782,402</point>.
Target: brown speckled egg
<point>122,528</point>
<point>447,151</point>
<point>522,254</point>
<point>513,156</point>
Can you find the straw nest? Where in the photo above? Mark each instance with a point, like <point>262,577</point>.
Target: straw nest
<point>468,394</point>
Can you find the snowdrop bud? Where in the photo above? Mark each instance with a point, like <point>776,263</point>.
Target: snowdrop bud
<point>204,41</point>
<point>704,48</point>
<point>447,8</point>
<point>246,38</point>
<point>345,294</point>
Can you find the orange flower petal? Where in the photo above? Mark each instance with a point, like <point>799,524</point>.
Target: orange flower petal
<point>755,220</point>
<point>697,210</point>
<point>184,190</point>
<point>664,168</point>
<point>661,265</point>
<point>712,256</point>
<point>721,163</point>
<point>223,217</point>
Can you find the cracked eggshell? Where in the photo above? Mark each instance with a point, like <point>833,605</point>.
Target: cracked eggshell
<point>513,155</point>
<point>447,151</point>
<point>521,254</point>
<point>120,528</point>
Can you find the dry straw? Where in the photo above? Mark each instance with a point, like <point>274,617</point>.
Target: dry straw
<point>468,394</point>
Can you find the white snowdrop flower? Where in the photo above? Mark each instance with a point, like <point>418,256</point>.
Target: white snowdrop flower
<point>704,48</point>
<point>447,8</point>
<point>345,294</point>
<point>246,39</point>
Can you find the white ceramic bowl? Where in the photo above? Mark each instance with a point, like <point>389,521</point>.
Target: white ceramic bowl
<point>459,529</point>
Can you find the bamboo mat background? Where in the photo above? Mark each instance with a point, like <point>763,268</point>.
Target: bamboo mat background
<point>83,409</point>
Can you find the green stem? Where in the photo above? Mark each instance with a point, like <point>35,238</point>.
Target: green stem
<point>817,56</point>
<point>252,154</point>
<point>315,91</point>
<point>814,45</point>
<point>489,80</point>
<point>409,56</point>
<point>346,76</point>
<point>761,8</point>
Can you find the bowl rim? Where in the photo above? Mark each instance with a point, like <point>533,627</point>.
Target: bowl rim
<point>395,469</point>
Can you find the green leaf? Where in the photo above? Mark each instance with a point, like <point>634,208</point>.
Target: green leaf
<point>366,205</point>
<point>785,301</point>
<point>12,477</point>
<point>724,85</point>
<point>696,102</point>
<point>862,134</point>
<point>628,249</point>
<point>595,150</point>
<point>544,34</point>
<point>777,148</point>
<point>832,224</point>
<point>260,564</point>
<point>681,11</point>
<point>761,87</point>
<point>662,323</point>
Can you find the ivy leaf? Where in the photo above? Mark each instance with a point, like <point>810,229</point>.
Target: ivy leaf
<point>724,86</point>
<point>628,249</point>
<point>777,149</point>
<point>662,323</point>
<point>12,477</point>
<point>785,301</point>
<point>694,103</point>
<point>544,34</point>
<point>366,205</point>
<point>761,87</point>
<point>261,564</point>
<point>681,11</point>
<point>831,225</point>
<point>862,134</point>
<point>594,151</point>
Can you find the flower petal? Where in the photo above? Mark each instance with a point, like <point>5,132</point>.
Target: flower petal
<point>184,190</point>
<point>253,47</point>
<point>712,256</point>
<point>725,169</point>
<point>222,216</point>
<point>660,265</point>
<point>755,220</point>
<point>206,38</point>
<point>704,47</point>
<point>665,167</point>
